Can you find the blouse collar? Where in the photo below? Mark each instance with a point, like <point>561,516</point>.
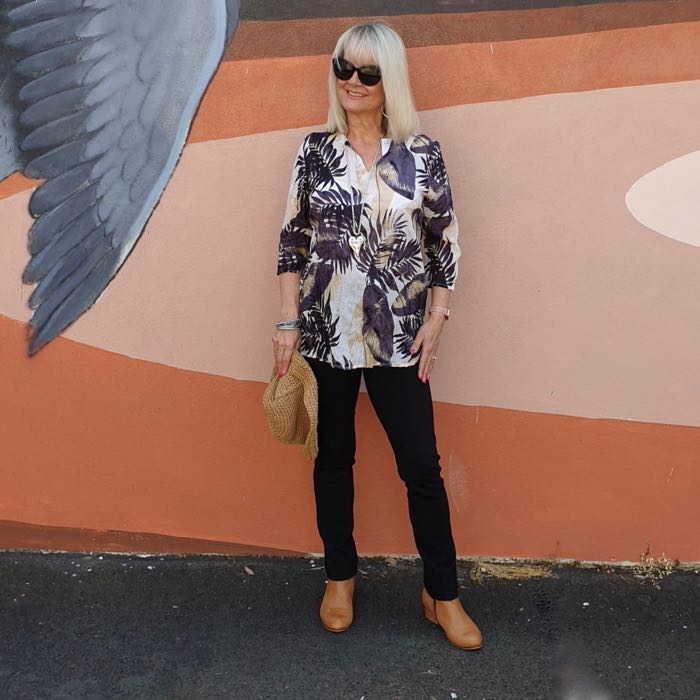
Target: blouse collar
<point>386,142</point>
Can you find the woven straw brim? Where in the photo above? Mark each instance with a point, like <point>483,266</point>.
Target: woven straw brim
<point>291,406</point>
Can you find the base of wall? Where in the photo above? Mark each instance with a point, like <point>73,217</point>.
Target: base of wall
<point>28,536</point>
<point>18,536</point>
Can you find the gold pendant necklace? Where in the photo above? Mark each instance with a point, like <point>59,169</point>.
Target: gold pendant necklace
<point>357,239</point>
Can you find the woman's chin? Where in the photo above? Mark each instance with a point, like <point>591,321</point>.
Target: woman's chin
<point>357,107</point>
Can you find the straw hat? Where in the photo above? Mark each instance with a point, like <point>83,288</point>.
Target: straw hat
<point>291,406</point>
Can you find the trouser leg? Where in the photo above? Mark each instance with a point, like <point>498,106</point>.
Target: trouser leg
<point>404,407</point>
<point>333,473</point>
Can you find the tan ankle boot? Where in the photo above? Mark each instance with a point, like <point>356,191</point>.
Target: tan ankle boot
<point>336,607</point>
<point>460,629</point>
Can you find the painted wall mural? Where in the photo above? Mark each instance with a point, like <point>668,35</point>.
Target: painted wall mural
<point>95,103</point>
<point>667,199</point>
<point>567,401</point>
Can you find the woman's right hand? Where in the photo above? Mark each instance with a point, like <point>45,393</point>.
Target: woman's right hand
<point>283,344</point>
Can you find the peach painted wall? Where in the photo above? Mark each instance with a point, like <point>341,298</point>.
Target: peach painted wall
<point>567,394</point>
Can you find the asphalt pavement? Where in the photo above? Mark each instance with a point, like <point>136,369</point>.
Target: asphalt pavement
<point>129,626</point>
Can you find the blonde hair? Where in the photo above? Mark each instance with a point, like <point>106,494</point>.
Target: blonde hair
<point>379,44</point>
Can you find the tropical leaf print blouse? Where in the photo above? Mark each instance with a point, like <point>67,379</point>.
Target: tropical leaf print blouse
<point>361,304</point>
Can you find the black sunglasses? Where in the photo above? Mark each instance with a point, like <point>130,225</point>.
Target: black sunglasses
<point>368,75</point>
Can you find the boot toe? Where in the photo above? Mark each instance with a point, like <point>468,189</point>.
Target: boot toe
<point>464,638</point>
<point>468,640</point>
<point>336,619</point>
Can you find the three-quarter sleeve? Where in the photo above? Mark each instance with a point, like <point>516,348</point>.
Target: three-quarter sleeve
<point>440,227</point>
<point>296,227</point>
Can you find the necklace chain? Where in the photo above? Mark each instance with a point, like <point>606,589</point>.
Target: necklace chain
<point>356,240</point>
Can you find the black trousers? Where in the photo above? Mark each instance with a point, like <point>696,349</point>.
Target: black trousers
<point>404,407</point>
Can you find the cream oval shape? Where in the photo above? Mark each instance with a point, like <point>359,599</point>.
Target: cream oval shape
<point>667,199</point>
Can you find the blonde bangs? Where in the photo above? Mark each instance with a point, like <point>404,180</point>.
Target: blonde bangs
<point>360,46</point>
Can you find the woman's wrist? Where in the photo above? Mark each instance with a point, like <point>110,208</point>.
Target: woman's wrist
<point>290,313</point>
<point>439,309</point>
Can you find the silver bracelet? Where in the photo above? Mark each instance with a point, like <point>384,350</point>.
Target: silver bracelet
<point>291,325</point>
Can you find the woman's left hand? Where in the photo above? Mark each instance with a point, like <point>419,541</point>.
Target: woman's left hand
<point>427,341</point>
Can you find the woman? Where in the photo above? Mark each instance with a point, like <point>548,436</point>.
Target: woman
<point>369,229</point>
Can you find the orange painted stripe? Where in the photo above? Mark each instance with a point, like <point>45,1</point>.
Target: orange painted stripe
<point>255,96</point>
<point>307,37</point>
<point>94,440</point>
<point>16,183</point>
<point>265,95</point>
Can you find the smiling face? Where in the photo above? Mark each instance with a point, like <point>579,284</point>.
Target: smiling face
<point>354,96</point>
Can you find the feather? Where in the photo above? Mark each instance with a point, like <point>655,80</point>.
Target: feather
<point>100,105</point>
<point>398,169</point>
<point>411,299</point>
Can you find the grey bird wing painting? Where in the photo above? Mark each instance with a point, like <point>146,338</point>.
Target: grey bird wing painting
<point>96,99</point>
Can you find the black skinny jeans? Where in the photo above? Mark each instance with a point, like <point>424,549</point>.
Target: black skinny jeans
<point>404,407</point>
